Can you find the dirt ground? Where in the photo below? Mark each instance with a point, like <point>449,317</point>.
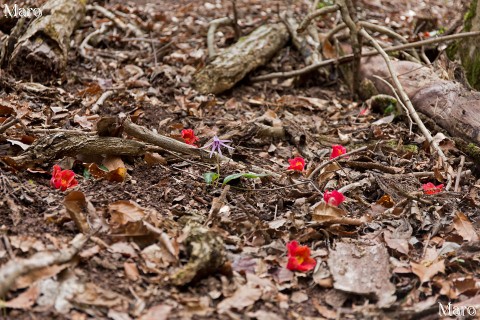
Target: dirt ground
<point>127,269</point>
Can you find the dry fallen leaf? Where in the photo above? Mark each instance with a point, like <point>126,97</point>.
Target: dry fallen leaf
<point>425,270</point>
<point>464,227</point>
<point>158,312</point>
<point>25,300</point>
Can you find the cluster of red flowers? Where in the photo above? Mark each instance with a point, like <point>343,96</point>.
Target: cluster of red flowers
<point>189,137</point>
<point>299,258</point>
<point>430,188</point>
<point>62,179</point>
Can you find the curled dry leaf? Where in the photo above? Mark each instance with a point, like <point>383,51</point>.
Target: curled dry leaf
<point>158,312</point>
<point>25,300</point>
<point>131,271</point>
<point>426,269</point>
<point>77,207</point>
<point>324,214</point>
<point>464,227</point>
<point>126,217</point>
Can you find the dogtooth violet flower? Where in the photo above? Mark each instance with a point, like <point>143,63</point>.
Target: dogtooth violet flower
<point>299,258</point>
<point>337,150</point>
<point>430,188</point>
<point>62,179</point>
<point>296,164</point>
<point>333,198</point>
<point>189,137</point>
<point>217,144</point>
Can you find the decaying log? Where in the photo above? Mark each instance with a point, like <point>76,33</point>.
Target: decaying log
<point>40,53</point>
<point>51,147</point>
<point>451,105</point>
<point>231,65</point>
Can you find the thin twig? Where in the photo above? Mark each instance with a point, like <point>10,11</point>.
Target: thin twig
<point>273,189</point>
<point>459,173</point>
<point>323,165</point>
<point>348,57</point>
<point>354,39</point>
<point>11,121</point>
<point>389,32</point>
<point>410,123</point>
<point>404,96</point>
<point>101,100</point>
<point>119,23</point>
<point>214,24</point>
<point>236,27</point>
<point>82,49</point>
<point>335,30</point>
<point>304,24</point>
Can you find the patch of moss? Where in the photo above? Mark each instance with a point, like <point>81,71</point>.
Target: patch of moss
<point>410,148</point>
<point>452,50</point>
<point>473,150</point>
<point>472,66</point>
<point>467,19</point>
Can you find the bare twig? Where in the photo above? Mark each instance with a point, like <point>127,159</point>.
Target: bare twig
<point>84,46</point>
<point>348,58</point>
<point>404,96</point>
<point>236,27</point>
<point>335,30</point>
<point>323,165</point>
<point>354,39</point>
<point>214,24</point>
<point>304,24</point>
<point>459,173</point>
<point>389,32</point>
<point>119,23</point>
<point>18,267</point>
<point>372,165</point>
<point>101,100</point>
<point>11,121</point>
<point>410,123</point>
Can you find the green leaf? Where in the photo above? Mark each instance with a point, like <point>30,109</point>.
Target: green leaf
<point>210,177</point>
<point>248,175</point>
<point>86,174</point>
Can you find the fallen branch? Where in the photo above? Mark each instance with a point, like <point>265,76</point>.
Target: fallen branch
<point>349,57</point>
<point>19,267</point>
<point>51,147</point>
<point>233,63</point>
<point>170,144</point>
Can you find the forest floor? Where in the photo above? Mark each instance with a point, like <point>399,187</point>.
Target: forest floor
<point>379,255</point>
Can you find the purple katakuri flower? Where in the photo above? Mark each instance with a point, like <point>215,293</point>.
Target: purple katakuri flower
<point>217,144</point>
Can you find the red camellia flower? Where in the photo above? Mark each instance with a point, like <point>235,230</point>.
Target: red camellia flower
<point>337,150</point>
<point>430,188</point>
<point>296,164</point>
<point>62,179</point>
<point>299,257</point>
<point>189,137</point>
<point>333,198</point>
